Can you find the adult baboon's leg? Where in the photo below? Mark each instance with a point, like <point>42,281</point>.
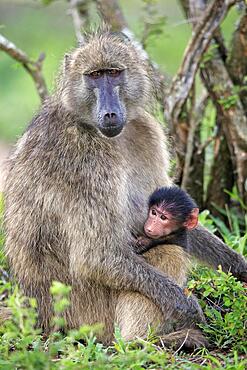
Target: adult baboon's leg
<point>135,314</point>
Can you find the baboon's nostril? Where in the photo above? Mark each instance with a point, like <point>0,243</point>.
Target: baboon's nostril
<point>110,119</point>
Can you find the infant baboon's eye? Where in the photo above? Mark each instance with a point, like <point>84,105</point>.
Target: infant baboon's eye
<point>163,217</point>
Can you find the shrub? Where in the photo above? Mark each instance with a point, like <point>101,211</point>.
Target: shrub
<point>224,302</point>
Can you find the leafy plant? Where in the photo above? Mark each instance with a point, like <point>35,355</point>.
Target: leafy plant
<point>224,301</point>
<point>231,100</point>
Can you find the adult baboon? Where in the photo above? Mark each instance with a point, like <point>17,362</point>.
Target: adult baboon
<point>78,184</point>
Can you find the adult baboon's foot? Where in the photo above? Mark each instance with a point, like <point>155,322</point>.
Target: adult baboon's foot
<point>189,339</point>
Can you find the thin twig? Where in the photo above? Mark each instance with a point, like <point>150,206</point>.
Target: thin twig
<point>203,146</point>
<point>185,21</point>
<point>33,68</point>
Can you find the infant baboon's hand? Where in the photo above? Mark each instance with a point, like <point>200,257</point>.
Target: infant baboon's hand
<point>143,241</point>
<point>142,245</point>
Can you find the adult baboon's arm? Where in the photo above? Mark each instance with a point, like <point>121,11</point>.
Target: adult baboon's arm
<point>209,249</point>
<point>123,270</point>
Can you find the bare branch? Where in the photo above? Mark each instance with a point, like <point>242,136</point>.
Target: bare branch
<point>193,11</point>
<point>200,40</point>
<point>33,68</point>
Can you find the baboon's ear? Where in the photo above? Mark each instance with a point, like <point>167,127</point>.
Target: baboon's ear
<point>192,221</point>
<point>66,62</point>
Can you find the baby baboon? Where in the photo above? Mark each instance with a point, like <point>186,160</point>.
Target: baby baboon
<point>171,214</point>
<point>78,183</point>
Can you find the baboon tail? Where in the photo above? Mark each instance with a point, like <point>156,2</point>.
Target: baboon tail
<point>189,339</point>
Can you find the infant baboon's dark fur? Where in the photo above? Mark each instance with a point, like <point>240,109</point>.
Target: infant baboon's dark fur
<point>74,194</point>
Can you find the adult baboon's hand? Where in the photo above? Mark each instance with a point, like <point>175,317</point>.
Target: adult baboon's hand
<point>242,276</point>
<point>189,314</point>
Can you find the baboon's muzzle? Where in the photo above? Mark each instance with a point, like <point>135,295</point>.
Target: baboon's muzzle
<point>111,113</point>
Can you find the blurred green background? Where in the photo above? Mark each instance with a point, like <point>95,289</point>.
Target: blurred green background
<point>36,28</point>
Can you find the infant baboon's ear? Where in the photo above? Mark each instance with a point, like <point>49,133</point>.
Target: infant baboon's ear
<point>192,220</point>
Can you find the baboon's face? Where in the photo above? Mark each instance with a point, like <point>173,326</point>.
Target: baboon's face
<point>105,83</point>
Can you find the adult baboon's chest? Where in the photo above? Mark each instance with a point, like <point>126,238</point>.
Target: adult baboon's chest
<point>98,176</point>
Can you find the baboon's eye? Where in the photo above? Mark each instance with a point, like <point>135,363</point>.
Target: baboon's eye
<point>96,74</point>
<point>114,72</point>
<point>163,217</point>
